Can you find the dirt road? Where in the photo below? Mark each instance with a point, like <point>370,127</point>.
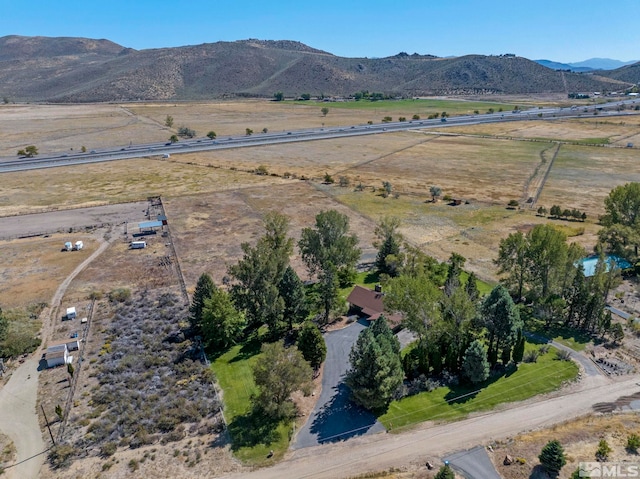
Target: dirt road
<point>18,398</point>
<point>383,451</point>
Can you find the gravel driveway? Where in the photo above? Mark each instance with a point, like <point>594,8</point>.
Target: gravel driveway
<point>335,417</point>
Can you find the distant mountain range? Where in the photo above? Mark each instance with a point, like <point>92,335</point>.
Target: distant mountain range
<point>87,70</point>
<point>586,65</point>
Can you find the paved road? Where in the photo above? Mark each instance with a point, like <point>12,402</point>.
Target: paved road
<point>260,139</point>
<point>383,451</point>
<point>474,464</point>
<point>335,417</point>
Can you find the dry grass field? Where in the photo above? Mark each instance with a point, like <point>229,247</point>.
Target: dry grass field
<point>214,202</point>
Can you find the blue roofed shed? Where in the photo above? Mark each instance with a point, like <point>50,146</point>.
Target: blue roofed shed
<point>150,225</point>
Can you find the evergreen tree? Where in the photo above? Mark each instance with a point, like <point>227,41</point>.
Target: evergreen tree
<point>204,290</point>
<point>445,472</point>
<point>456,263</point>
<point>518,349</point>
<point>388,245</point>
<point>292,292</point>
<point>384,336</point>
<point>552,457</point>
<point>376,371</point>
<point>472,287</point>
<point>475,366</point>
<point>222,323</point>
<point>502,320</point>
<point>311,344</point>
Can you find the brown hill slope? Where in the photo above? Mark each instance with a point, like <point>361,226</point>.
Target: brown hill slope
<point>84,70</point>
<point>628,73</point>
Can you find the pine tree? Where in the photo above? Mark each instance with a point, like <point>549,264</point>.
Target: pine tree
<point>445,472</point>
<point>292,292</point>
<point>376,370</point>
<point>204,290</point>
<point>518,349</point>
<point>552,456</point>
<point>311,344</point>
<point>475,365</point>
<point>472,287</point>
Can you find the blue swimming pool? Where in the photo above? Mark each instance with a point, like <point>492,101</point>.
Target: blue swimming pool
<point>589,264</point>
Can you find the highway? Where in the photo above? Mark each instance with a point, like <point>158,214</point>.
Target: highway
<point>262,139</point>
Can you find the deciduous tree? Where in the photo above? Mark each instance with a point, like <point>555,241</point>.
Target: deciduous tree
<point>388,244</point>
<point>279,373</point>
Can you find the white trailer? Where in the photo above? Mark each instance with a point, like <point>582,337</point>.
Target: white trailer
<point>78,246</point>
<point>138,244</point>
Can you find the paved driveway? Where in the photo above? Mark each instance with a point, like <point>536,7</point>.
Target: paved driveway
<point>474,464</point>
<point>335,417</point>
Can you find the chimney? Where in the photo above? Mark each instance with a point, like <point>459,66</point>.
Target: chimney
<point>378,288</point>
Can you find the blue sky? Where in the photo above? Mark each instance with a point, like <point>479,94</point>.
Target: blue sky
<point>560,30</point>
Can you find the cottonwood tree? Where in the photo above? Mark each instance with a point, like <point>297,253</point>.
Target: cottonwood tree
<point>513,258</point>
<point>222,323</point>
<point>280,372</point>
<point>212,135</point>
<point>622,220</point>
<point>259,273</point>
<point>326,250</point>
<point>312,345</point>
<point>417,298</point>
<point>324,111</point>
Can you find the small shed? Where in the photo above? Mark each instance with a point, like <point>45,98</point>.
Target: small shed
<point>71,312</point>
<point>138,244</point>
<point>78,246</point>
<point>57,355</point>
<point>149,225</point>
<point>68,246</point>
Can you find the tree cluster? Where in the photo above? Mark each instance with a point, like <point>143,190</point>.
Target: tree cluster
<point>621,222</point>
<point>560,213</point>
<point>186,132</point>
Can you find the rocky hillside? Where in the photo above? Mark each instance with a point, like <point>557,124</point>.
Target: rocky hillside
<point>85,70</point>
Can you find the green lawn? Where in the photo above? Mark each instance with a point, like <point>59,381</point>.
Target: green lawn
<point>367,279</point>
<point>530,379</point>
<point>572,338</point>
<point>252,438</point>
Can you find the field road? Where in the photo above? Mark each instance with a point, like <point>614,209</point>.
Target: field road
<point>386,450</point>
<point>18,398</point>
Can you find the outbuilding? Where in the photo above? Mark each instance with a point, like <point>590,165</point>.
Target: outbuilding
<point>138,244</point>
<point>71,312</point>
<point>57,355</point>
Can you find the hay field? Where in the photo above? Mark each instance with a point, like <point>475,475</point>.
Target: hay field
<point>582,177</point>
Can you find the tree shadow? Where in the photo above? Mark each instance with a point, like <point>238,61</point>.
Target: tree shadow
<point>539,472</point>
<point>465,392</point>
<point>341,419</point>
<point>253,428</point>
<point>372,277</point>
<point>249,349</point>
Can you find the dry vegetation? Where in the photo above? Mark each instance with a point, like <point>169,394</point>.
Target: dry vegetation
<point>214,203</point>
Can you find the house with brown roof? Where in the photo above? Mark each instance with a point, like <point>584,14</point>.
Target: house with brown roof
<point>369,304</point>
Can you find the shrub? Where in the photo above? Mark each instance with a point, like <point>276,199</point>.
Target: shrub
<point>563,355</point>
<point>134,465</point>
<point>531,357</point>
<point>120,295</point>
<point>60,456</point>
<point>544,349</point>
<point>603,451</point>
<point>108,449</point>
<point>633,443</point>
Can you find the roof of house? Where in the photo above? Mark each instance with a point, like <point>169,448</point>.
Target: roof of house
<point>371,304</point>
<point>55,354</point>
<point>150,224</point>
<point>57,346</point>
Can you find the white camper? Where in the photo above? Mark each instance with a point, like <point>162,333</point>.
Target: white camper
<point>138,244</point>
<point>78,246</point>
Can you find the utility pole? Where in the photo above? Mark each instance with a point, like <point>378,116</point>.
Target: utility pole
<point>48,427</point>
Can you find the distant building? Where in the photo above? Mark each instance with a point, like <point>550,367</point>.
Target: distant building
<point>71,312</point>
<point>57,355</point>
